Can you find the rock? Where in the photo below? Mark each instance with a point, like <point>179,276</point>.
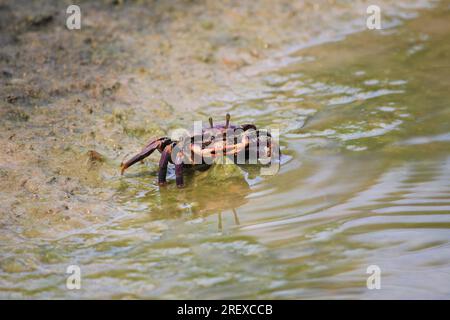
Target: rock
<point>40,20</point>
<point>52,180</point>
<point>11,99</point>
<point>6,73</point>
<point>223,170</point>
<point>17,115</point>
<point>95,157</point>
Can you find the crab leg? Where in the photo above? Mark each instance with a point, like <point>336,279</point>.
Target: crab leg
<point>179,175</point>
<point>163,162</point>
<point>179,170</point>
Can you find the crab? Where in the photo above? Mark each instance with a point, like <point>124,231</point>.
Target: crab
<point>242,144</point>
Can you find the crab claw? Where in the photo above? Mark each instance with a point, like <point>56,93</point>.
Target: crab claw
<point>158,144</point>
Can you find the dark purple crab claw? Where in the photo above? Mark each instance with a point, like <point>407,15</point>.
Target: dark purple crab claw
<point>154,144</point>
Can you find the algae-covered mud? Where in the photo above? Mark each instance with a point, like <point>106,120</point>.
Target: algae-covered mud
<point>364,131</point>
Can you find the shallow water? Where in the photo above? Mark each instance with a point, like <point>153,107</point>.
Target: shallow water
<point>364,181</point>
